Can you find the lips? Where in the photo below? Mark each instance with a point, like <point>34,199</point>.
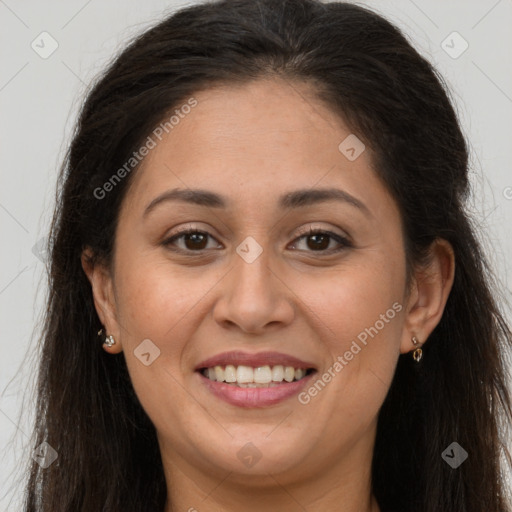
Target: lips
<point>238,357</point>
<point>268,389</point>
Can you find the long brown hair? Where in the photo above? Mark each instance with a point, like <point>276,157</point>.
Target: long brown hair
<point>365,69</point>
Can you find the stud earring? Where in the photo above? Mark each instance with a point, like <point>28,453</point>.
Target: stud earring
<point>418,353</point>
<point>109,340</point>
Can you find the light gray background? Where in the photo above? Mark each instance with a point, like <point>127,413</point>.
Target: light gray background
<point>39,100</point>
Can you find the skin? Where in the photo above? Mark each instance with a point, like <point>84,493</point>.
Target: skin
<point>252,143</point>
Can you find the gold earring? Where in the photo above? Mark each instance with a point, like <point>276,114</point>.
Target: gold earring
<point>418,353</point>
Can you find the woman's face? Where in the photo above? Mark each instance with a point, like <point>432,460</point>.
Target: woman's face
<point>251,289</point>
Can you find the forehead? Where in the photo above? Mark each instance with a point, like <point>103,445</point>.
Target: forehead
<point>249,141</point>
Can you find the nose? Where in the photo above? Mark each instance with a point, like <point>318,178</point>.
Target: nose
<point>254,297</point>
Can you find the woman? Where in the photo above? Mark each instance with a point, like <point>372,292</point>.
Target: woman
<point>265,292</point>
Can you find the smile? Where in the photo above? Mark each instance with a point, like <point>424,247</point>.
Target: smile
<point>259,377</point>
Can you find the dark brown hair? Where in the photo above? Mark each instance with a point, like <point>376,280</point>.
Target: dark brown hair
<point>367,71</point>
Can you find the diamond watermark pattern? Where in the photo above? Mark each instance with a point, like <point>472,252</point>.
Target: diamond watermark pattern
<point>44,455</point>
<point>454,45</point>
<point>351,147</point>
<point>44,45</point>
<point>40,250</point>
<point>249,455</point>
<point>249,249</point>
<point>147,352</point>
<point>454,455</point>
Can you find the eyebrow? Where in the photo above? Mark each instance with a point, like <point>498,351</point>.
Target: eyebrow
<point>295,199</point>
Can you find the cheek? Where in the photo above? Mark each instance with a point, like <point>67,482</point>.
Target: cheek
<point>358,316</point>
<point>157,298</point>
<point>161,303</point>
<point>354,301</point>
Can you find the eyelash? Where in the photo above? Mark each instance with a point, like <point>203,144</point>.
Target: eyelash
<point>344,242</point>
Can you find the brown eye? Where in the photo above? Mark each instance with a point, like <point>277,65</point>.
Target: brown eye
<point>318,242</point>
<point>321,241</point>
<point>195,240</point>
<point>192,240</point>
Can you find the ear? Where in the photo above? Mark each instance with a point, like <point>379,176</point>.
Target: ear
<point>103,295</point>
<point>429,293</point>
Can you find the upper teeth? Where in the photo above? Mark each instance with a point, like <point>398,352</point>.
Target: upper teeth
<point>260,375</point>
